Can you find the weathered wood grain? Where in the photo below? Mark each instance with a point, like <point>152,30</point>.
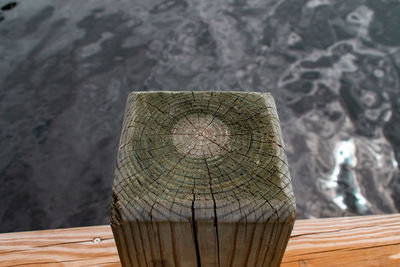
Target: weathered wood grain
<point>353,241</point>
<point>201,180</point>
<point>93,246</point>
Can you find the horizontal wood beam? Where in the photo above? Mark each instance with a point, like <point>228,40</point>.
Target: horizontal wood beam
<point>349,241</point>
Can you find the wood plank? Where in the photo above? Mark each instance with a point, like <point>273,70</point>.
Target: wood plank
<point>73,247</point>
<point>350,241</point>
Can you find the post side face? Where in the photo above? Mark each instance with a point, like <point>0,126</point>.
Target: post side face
<point>202,156</point>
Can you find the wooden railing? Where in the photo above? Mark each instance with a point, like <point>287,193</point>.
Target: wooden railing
<point>349,241</point>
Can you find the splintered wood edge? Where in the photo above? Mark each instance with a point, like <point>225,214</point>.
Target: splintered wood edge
<point>347,242</point>
<point>268,198</point>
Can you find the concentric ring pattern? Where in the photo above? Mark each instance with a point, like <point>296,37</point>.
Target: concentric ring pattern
<point>218,153</point>
<point>200,135</point>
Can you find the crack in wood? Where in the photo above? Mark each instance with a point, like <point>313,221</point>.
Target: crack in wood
<point>215,211</point>
<point>194,229</point>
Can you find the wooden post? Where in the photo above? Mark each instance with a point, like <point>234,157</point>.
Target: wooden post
<point>201,180</point>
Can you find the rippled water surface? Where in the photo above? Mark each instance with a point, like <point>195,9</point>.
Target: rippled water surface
<point>66,68</point>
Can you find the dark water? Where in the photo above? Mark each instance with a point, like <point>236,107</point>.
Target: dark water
<point>66,68</point>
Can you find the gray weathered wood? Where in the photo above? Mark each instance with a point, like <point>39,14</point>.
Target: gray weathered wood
<point>201,180</point>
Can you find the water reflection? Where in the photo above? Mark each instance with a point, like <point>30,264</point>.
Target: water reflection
<point>67,66</point>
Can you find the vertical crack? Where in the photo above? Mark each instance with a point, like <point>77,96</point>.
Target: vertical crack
<point>215,209</point>
<point>194,226</point>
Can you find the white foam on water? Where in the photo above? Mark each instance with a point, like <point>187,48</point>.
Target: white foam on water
<point>317,3</point>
